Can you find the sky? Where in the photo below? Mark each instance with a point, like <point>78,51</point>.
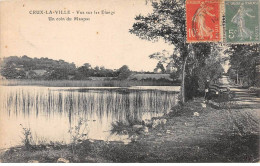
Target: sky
<point>104,40</point>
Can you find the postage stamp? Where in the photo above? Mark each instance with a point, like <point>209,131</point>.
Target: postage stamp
<point>203,21</point>
<point>242,21</point>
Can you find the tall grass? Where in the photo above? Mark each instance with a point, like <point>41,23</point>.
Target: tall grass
<point>85,83</point>
<point>121,104</point>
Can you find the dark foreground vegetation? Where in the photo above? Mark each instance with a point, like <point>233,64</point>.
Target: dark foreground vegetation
<point>192,133</point>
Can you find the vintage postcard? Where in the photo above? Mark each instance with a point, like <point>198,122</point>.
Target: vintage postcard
<point>129,81</point>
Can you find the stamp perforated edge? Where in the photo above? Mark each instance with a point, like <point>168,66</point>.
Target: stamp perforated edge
<point>224,25</point>
<point>221,14</point>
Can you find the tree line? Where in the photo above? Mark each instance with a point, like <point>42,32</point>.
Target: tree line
<point>24,67</point>
<point>244,64</point>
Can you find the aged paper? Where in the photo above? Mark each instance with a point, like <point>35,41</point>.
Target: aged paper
<point>129,81</point>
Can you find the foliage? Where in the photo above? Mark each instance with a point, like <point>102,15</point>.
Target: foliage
<point>25,67</point>
<point>175,76</point>
<point>210,69</point>
<point>167,22</point>
<point>48,69</point>
<point>160,66</point>
<point>78,133</point>
<point>86,71</point>
<point>27,137</point>
<point>244,60</point>
<point>124,72</point>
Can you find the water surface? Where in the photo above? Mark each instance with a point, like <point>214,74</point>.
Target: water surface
<point>51,112</point>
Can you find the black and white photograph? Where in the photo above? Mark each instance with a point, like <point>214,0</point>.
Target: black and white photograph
<point>129,81</point>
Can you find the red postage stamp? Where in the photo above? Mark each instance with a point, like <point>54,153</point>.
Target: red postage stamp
<point>203,21</point>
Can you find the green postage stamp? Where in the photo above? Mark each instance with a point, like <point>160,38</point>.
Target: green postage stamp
<point>242,21</point>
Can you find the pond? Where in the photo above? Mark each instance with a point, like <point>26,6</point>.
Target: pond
<point>50,112</point>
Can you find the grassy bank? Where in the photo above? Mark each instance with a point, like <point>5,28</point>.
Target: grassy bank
<point>192,133</point>
<point>86,83</point>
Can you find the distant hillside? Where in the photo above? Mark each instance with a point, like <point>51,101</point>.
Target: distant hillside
<point>35,68</point>
<point>24,67</point>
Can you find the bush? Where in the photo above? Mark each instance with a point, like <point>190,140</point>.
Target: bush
<point>78,133</point>
<point>27,137</point>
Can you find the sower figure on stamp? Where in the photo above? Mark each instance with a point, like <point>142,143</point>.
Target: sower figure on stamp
<point>239,19</point>
<point>199,24</point>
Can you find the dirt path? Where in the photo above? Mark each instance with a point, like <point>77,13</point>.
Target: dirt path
<point>216,135</point>
<point>245,98</point>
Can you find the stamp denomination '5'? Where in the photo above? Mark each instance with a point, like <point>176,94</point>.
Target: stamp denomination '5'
<point>203,20</point>
<point>242,21</point>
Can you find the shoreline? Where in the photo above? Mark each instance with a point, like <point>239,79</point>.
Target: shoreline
<point>209,135</point>
<point>88,83</point>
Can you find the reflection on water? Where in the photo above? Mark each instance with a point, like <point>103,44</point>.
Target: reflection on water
<point>50,112</point>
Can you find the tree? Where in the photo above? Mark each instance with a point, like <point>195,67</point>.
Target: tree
<point>168,22</point>
<point>85,71</point>
<point>18,67</point>
<point>87,65</point>
<point>160,66</point>
<point>124,72</point>
<point>243,61</point>
<point>201,67</point>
